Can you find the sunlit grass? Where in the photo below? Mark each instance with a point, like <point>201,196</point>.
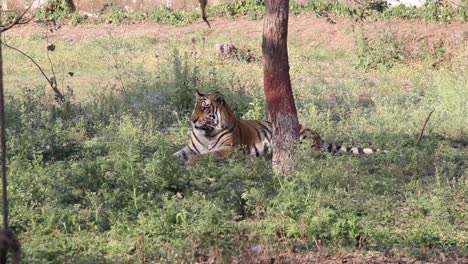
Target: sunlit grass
<point>107,189</point>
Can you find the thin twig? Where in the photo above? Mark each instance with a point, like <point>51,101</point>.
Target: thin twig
<point>51,82</point>
<point>424,127</point>
<point>316,243</point>
<point>458,5</point>
<point>18,19</point>
<point>29,57</point>
<point>54,78</point>
<point>203,4</point>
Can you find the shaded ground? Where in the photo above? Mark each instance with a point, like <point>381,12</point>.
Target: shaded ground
<point>307,29</point>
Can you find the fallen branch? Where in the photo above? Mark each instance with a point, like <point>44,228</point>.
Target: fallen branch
<point>424,127</point>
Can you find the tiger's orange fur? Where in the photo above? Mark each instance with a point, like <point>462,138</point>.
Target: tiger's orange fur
<point>216,129</point>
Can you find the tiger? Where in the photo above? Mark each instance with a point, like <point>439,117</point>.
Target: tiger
<point>216,129</point>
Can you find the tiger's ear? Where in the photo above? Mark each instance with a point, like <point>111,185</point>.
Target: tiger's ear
<point>220,98</point>
<point>198,94</point>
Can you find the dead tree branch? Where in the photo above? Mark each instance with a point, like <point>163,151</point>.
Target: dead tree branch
<point>424,127</point>
<point>19,20</point>
<point>203,4</point>
<point>52,81</point>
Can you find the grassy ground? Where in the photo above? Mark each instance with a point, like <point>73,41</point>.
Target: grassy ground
<point>254,9</point>
<point>104,188</point>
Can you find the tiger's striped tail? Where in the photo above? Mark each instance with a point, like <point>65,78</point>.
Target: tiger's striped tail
<point>333,148</point>
<point>319,144</point>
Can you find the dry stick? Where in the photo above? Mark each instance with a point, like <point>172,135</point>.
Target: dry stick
<point>458,5</point>
<point>203,4</point>
<point>52,82</point>
<point>18,19</point>
<point>424,127</point>
<point>58,95</point>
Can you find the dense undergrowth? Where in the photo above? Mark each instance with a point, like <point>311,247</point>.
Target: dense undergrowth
<point>94,180</point>
<point>432,11</point>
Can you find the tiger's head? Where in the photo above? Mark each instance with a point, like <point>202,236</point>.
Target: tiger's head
<point>211,113</point>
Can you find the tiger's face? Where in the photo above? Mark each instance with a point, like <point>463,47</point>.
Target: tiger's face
<point>208,111</point>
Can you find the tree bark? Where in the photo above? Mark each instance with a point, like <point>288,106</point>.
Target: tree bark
<point>277,85</point>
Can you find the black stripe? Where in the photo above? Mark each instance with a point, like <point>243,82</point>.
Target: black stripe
<point>227,132</point>
<point>258,134</point>
<point>219,138</point>
<point>329,148</point>
<point>256,130</point>
<point>256,151</point>
<point>214,112</point>
<point>348,149</point>
<point>304,133</point>
<point>195,147</point>
<point>360,151</point>
<point>184,155</point>
<point>337,148</point>
<point>224,142</point>
<point>373,150</point>
<point>195,136</point>
<point>266,131</point>
<point>214,135</point>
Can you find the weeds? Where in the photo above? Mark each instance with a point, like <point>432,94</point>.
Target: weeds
<point>254,9</point>
<point>61,10</point>
<point>431,12</point>
<point>107,188</point>
<point>385,51</point>
<point>388,48</point>
<point>165,15</point>
<point>111,13</point>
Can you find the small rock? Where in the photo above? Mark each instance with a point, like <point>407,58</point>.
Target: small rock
<point>69,38</point>
<point>227,49</point>
<point>257,249</point>
<point>464,34</point>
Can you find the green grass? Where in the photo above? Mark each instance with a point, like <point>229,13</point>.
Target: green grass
<point>254,9</point>
<point>107,190</point>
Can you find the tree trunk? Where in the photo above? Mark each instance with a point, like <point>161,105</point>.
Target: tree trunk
<point>277,85</point>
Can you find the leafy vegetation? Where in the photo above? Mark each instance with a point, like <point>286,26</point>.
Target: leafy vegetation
<point>94,180</point>
<point>254,9</point>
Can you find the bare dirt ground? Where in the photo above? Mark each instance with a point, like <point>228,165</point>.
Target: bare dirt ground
<point>343,258</point>
<point>306,29</point>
